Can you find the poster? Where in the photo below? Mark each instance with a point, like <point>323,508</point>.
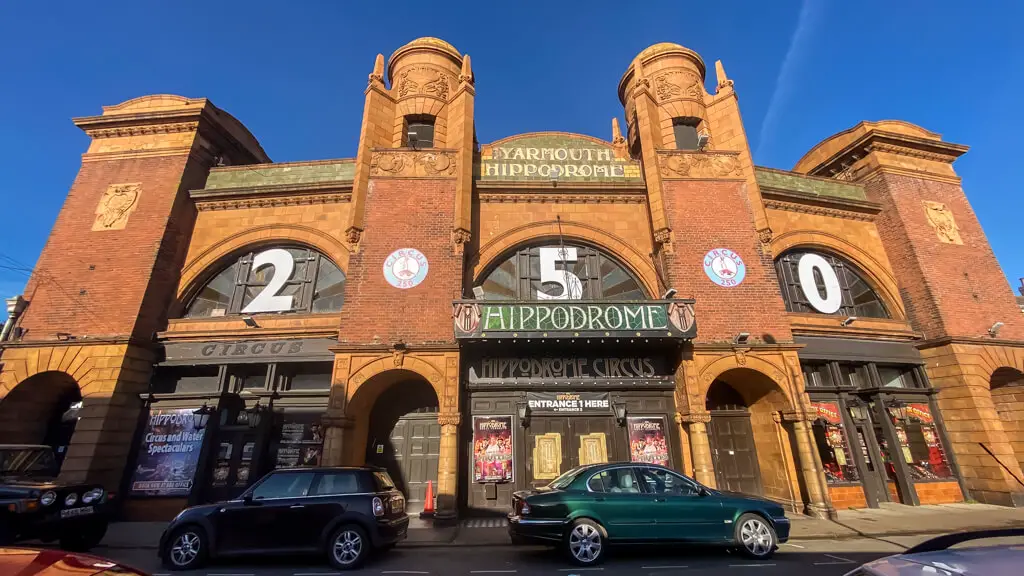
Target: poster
<point>647,441</point>
<point>301,442</point>
<point>492,449</point>
<point>168,454</point>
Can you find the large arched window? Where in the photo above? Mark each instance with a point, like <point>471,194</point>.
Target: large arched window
<point>818,282</point>
<point>555,271</point>
<point>272,279</point>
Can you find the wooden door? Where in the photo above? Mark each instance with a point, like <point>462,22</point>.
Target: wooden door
<point>416,441</point>
<point>735,457</point>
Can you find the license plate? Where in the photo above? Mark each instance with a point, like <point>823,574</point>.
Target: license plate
<point>72,512</point>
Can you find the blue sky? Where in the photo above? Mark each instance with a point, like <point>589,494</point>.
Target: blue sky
<point>294,74</point>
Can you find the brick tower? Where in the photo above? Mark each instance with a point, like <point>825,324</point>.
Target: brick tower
<point>955,292</point>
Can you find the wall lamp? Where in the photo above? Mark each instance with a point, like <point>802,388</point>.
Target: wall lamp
<point>849,320</point>
<point>523,409</point>
<point>668,294</point>
<point>741,338</point>
<point>994,330</point>
<point>250,321</point>
<point>201,417</point>
<point>620,412</point>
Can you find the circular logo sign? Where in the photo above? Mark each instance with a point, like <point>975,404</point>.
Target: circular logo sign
<point>724,267</point>
<point>405,268</point>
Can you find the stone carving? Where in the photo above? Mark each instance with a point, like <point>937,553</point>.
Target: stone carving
<point>448,419</point>
<point>941,219</point>
<point>699,165</point>
<point>272,202</point>
<point>696,417</point>
<point>460,237</point>
<point>377,76</point>
<point>817,210</point>
<point>170,128</point>
<point>540,198</point>
<point>741,356</point>
<point>765,236</point>
<point>353,234</point>
<point>398,357</point>
<point>412,163</point>
<point>116,205</point>
<point>678,84</point>
<point>663,235</point>
<point>424,81</point>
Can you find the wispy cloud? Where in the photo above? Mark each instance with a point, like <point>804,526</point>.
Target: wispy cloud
<point>786,81</point>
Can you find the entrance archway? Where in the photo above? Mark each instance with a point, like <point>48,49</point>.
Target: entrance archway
<point>1007,386</point>
<point>42,409</point>
<point>402,432</point>
<point>747,444</point>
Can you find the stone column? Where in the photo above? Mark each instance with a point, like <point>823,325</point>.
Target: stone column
<point>335,426</point>
<point>703,468</point>
<point>819,505</point>
<point>686,465</point>
<point>448,466</point>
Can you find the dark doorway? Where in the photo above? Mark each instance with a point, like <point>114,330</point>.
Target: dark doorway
<point>405,438</point>
<point>556,444</point>
<point>43,409</point>
<point>732,441</point>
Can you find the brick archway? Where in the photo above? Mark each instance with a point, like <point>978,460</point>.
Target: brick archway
<point>201,265</point>
<point>877,274</point>
<point>636,262</point>
<point>770,371</point>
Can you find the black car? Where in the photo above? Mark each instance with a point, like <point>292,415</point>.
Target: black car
<point>35,506</point>
<point>345,513</point>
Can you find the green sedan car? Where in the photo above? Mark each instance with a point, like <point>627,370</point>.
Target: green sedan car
<point>590,507</point>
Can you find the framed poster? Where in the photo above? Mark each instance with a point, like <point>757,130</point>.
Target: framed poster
<point>168,454</point>
<point>647,440</point>
<point>301,441</point>
<point>492,449</point>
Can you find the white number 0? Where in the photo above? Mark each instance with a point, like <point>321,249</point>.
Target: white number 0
<point>833,293</point>
<point>572,288</point>
<point>268,300</point>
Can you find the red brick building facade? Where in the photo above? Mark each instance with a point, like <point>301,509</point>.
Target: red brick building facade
<point>483,317</point>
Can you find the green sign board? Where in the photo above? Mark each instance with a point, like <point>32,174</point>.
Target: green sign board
<point>481,319</point>
<point>556,156</point>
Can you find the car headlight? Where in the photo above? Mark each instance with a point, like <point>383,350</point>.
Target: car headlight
<point>92,495</point>
<point>71,499</point>
<point>48,498</point>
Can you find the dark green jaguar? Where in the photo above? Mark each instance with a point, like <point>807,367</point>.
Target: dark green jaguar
<point>589,507</point>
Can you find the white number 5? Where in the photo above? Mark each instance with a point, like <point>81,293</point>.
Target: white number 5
<point>268,300</point>
<point>572,288</point>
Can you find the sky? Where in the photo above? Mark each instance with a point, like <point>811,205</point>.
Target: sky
<point>294,74</point>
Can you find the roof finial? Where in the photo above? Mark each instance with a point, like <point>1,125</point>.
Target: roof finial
<point>616,132</point>
<point>723,80</point>
<point>378,70</point>
<point>466,76</point>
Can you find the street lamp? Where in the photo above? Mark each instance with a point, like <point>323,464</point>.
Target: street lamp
<point>620,412</point>
<point>201,417</point>
<point>255,414</point>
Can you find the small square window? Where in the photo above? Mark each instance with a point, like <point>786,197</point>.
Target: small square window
<point>685,130</point>
<point>419,132</point>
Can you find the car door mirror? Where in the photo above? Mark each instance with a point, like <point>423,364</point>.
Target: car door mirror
<point>703,492</point>
<point>247,499</point>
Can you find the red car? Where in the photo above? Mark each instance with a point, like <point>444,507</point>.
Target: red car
<point>31,562</point>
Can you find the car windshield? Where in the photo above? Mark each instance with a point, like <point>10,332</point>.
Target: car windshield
<point>26,461</point>
<point>564,480</point>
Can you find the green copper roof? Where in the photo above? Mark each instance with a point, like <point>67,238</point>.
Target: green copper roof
<point>260,175</point>
<point>791,181</point>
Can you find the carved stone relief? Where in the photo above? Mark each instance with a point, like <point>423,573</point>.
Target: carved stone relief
<point>678,84</point>
<point>116,205</point>
<point>699,165</point>
<point>412,163</point>
<point>424,81</point>
<point>941,219</point>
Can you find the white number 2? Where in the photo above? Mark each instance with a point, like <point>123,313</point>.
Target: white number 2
<point>833,293</point>
<point>268,300</point>
<point>572,288</point>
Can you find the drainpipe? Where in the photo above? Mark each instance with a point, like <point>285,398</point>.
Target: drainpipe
<point>15,306</point>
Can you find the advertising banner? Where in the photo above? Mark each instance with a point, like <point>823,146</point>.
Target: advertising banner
<point>301,441</point>
<point>647,441</point>
<point>168,455</point>
<point>492,449</point>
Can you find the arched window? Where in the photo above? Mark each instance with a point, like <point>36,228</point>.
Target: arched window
<point>272,279</point>
<point>560,272</point>
<point>821,283</point>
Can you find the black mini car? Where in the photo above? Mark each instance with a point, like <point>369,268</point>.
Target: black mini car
<point>35,506</point>
<point>345,513</point>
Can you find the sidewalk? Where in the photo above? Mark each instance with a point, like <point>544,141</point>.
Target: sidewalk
<point>889,520</point>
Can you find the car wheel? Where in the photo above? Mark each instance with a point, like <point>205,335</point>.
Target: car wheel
<point>186,549</point>
<point>586,542</point>
<point>755,537</point>
<point>348,547</point>
<point>85,539</point>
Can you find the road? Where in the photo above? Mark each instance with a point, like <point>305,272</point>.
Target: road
<point>817,557</point>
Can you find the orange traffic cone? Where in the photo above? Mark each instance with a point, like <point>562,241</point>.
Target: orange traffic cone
<point>428,501</point>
